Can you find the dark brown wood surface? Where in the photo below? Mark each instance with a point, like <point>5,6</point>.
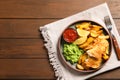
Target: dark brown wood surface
<point>22,51</point>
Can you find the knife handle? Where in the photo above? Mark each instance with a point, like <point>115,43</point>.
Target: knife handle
<point>116,46</point>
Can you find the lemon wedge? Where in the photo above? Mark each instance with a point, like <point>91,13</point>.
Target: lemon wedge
<point>80,40</point>
<point>82,32</point>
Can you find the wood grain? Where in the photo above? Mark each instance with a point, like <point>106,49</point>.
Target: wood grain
<point>117,23</point>
<point>37,69</point>
<point>25,69</point>
<point>22,53</point>
<point>43,8</point>
<point>22,49</point>
<point>49,8</point>
<point>109,75</point>
<point>27,28</point>
<point>22,28</point>
<point>114,6</point>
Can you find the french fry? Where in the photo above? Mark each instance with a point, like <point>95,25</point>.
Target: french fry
<point>84,25</point>
<point>89,40</point>
<point>80,67</point>
<point>96,27</point>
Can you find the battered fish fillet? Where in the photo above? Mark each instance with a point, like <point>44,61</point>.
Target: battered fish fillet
<point>95,54</point>
<point>92,63</point>
<point>99,48</point>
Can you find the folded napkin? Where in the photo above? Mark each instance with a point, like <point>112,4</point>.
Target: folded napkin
<point>51,33</point>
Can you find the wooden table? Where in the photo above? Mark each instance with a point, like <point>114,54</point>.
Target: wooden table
<point>22,53</point>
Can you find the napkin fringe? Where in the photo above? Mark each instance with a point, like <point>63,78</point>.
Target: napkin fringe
<point>52,54</point>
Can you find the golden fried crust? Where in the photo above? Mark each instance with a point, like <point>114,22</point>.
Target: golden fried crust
<point>92,62</point>
<point>95,54</point>
<point>98,48</point>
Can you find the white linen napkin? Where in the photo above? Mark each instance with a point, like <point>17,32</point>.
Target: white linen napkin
<point>51,33</point>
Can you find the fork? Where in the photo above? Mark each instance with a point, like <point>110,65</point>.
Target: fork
<point>115,43</point>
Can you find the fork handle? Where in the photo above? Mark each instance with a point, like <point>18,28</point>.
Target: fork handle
<point>116,46</point>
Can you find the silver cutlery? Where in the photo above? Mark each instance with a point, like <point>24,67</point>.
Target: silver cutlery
<point>115,43</point>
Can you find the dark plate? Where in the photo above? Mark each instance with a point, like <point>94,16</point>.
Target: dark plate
<point>67,64</point>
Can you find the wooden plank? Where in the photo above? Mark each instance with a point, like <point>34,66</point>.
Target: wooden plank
<point>114,8</point>
<point>26,69</point>
<point>47,9</point>
<point>22,28</point>
<point>117,22</point>
<point>27,28</point>
<point>38,69</point>
<point>109,75</point>
<point>22,48</point>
